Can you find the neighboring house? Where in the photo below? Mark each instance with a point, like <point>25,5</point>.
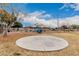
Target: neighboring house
<point>34,29</point>
<point>45,29</point>
<point>29,29</point>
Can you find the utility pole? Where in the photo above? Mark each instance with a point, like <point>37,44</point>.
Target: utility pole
<point>58,25</point>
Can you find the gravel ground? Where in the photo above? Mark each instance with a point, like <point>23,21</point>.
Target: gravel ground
<point>9,48</point>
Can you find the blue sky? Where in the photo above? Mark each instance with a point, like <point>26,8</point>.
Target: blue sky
<point>54,10</point>
<point>50,8</point>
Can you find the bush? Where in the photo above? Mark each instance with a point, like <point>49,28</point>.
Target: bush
<point>39,30</point>
<point>16,54</point>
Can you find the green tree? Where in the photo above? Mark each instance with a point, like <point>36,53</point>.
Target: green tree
<point>17,25</point>
<point>75,26</point>
<point>7,20</point>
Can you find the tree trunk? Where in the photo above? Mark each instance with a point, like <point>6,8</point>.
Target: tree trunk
<point>5,32</point>
<point>6,28</point>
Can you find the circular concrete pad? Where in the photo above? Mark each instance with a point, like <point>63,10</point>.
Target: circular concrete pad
<point>42,43</point>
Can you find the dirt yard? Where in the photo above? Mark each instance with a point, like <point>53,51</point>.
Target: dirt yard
<point>9,48</point>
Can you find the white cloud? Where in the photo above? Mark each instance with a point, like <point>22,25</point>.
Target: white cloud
<point>75,6</point>
<point>47,15</point>
<point>72,20</point>
<point>37,13</point>
<point>34,19</point>
<point>66,5</point>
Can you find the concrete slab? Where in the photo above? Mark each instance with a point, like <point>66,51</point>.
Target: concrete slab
<point>42,43</point>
